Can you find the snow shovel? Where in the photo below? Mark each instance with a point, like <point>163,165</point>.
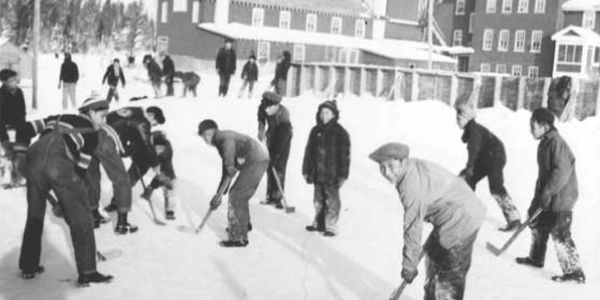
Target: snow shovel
<point>288,209</point>
<point>498,252</point>
<point>398,291</point>
<point>220,193</point>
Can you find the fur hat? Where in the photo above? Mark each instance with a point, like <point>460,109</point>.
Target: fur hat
<point>206,125</point>
<point>93,102</point>
<point>390,151</point>
<point>543,115</point>
<point>465,110</point>
<point>6,74</point>
<point>271,98</point>
<point>158,114</point>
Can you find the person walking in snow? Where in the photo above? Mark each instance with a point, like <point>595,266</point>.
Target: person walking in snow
<point>113,74</point>
<point>168,72</point>
<point>555,193</point>
<point>431,193</point>
<point>243,154</point>
<point>69,75</point>
<point>279,138</point>
<point>327,165</point>
<point>154,73</point>
<point>249,75</point>
<point>225,63</point>
<point>486,158</point>
<point>281,70</point>
<point>58,161</point>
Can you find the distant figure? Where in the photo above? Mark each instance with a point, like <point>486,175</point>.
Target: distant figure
<point>168,71</point>
<point>155,74</point>
<point>13,118</point>
<point>69,75</point>
<point>249,76</point>
<point>559,94</point>
<point>113,74</point>
<point>281,70</point>
<point>225,64</point>
<point>190,81</point>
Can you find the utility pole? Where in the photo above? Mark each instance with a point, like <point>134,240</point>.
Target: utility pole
<point>35,49</point>
<point>430,34</point>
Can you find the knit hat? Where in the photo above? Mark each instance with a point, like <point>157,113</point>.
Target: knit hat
<point>543,115</point>
<point>331,105</point>
<point>158,114</point>
<point>271,98</point>
<point>465,110</point>
<point>206,125</point>
<point>390,151</point>
<point>6,74</point>
<point>94,102</point>
<point>252,56</point>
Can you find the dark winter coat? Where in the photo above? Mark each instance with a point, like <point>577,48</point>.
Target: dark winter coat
<point>112,78</point>
<point>327,153</point>
<point>226,61</point>
<point>189,79</point>
<point>281,69</point>
<point>69,73</point>
<point>279,133</point>
<point>237,150</point>
<point>154,71</point>
<point>165,158</point>
<point>168,67</point>
<point>134,131</point>
<point>250,71</point>
<point>556,186</point>
<point>485,149</point>
<point>12,110</point>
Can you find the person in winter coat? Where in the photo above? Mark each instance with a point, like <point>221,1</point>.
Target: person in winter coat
<point>249,76</point>
<point>113,74</point>
<point>431,193</point>
<point>154,73</point>
<point>225,64</point>
<point>12,118</point>
<point>279,138</point>
<point>243,154</point>
<point>58,161</point>
<point>326,165</point>
<point>281,70</point>
<point>168,72</point>
<point>486,158</point>
<point>555,194</point>
<point>69,75</point>
<point>190,81</point>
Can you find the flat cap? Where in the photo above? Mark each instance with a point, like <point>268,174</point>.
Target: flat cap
<point>390,151</point>
<point>271,97</point>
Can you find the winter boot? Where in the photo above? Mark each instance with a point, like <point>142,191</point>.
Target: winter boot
<point>510,212</point>
<point>312,228</point>
<point>123,227</point>
<point>170,215</point>
<point>96,277</point>
<point>529,262</point>
<point>111,207</point>
<point>31,274</point>
<point>576,277</point>
<point>229,244</point>
<point>328,233</point>
<point>98,218</point>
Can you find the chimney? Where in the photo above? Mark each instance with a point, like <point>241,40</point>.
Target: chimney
<point>222,12</point>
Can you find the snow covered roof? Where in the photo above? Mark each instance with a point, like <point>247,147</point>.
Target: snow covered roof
<point>344,7</point>
<point>581,5</point>
<point>396,49</point>
<point>578,35</point>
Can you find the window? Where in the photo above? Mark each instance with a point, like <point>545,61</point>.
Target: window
<point>311,22</point>
<point>354,56</point>
<point>460,7</point>
<point>263,52</point>
<point>523,6</point>
<point>507,6</point>
<point>488,39</point>
<point>299,53</point>
<point>517,70</point>
<point>589,19</point>
<point>520,41</point>
<point>195,12</point>
<point>162,44</point>
<point>569,54</point>
<point>597,56</point>
<point>503,37</point>
<point>457,37</point>
<point>343,55</point>
<point>471,23</point>
<point>533,71</point>
<point>540,6</point>
<point>284,19</point>
<point>359,28</point>
<point>501,68</point>
<point>336,25</point>
<point>258,15</point>
<point>180,5</point>
<point>164,12</point>
<point>536,41</point>
<point>491,6</point>
<point>485,68</point>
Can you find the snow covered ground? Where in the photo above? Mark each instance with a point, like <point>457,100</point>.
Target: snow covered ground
<point>283,261</point>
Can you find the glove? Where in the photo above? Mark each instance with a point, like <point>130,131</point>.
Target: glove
<point>166,181</point>
<point>340,182</point>
<point>262,136</point>
<point>408,275</point>
<point>307,178</point>
<point>466,174</point>
<point>230,171</point>
<point>215,202</point>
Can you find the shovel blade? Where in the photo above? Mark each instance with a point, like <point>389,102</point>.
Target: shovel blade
<point>493,249</point>
<point>290,209</point>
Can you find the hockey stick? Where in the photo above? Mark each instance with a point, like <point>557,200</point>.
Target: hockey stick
<point>220,193</point>
<point>288,209</point>
<point>155,218</point>
<point>110,254</point>
<point>498,252</point>
<point>398,291</point>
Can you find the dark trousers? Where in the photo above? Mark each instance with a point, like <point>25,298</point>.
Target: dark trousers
<point>557,225</point>
<point>139,165</point>
<point>279,164</point>
<point>224,83</point>
<point>280,86</point>
<point>50,168</point>
<point>447,269</point>
<point>169,83</point>
<point>327,206</point>
<point>241,191</point>
<point>112,92</point>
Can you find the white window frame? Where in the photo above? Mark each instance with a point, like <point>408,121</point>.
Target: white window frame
<point>336,25</point>
<point>485,68</point>
<point>490,6</point>
<point>520,36</point>
<point>343,55</point>
<point>539,7</point>
<point>285,19</point>
<point>258,16</point>
<point>488,39</point>
<point>536,38</point>
<point>195,11</point>
<point>164,12</point>
<point>359,28</point>
<point>565,59</point>
<point>311,22</point>
<point>261,56</point>
<point>523,7</point>
<point>460,8</point>
<point>589,19</point>
<point>533,71</point>
<point>517,70</point>
<point>471,15</point>
<point>507,6</point>
<point>503,40</point>
<point>354,56</point>
<point>501,68</point>
<point>299,53</point>
<point>180,5</point>
<point>162,43</point>
<point>457,37</point>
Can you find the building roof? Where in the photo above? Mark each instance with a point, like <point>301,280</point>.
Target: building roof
<point>343,7</point>
<point>577,35</point>
<point>396,49</point>
<point>581,5</point>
